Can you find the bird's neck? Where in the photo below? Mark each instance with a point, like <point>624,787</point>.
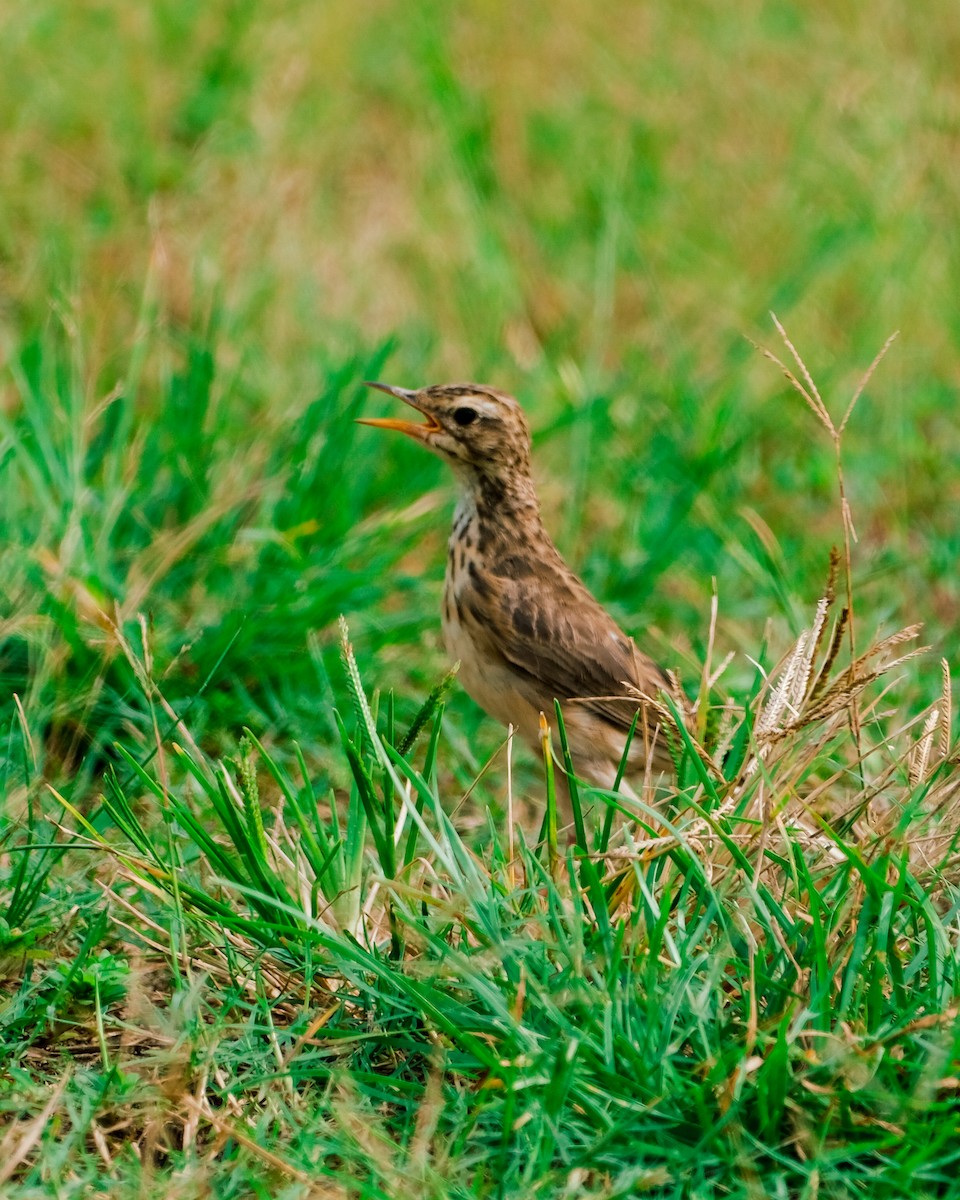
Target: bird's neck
<point>499,509</point>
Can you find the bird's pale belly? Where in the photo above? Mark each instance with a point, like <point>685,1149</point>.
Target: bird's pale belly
<point>489,682</point>
<point>595,745</point>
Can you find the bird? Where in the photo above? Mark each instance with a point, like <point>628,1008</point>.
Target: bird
<point>523,626</point>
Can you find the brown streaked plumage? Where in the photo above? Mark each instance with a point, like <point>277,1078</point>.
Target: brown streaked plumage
<point>522,625</point>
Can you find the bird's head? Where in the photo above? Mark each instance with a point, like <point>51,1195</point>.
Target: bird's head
<point>476,429</point>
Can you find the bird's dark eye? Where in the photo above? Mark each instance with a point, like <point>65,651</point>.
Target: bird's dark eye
<point>465,416</point>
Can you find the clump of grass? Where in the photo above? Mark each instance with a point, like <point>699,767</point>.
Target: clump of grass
<point>152,551</point>
<point>768,989</point>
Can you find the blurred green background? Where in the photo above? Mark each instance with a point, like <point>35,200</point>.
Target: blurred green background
<point>216,220</point>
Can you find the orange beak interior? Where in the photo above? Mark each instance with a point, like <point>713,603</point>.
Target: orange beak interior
<point>413,428</point>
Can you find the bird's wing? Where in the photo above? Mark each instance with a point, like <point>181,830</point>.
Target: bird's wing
<point>561,643</point>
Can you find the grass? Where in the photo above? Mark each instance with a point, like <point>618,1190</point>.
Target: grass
<point>266,927</point>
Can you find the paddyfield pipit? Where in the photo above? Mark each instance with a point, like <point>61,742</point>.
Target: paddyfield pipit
<point>524,628</point>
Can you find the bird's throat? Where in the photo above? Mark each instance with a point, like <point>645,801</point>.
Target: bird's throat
<point>501,498</point>
<point>496,519</point>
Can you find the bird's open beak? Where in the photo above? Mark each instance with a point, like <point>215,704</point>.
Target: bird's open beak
<point>413,428</point>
